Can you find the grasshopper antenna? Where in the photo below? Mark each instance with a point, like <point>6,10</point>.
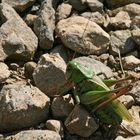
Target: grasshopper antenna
<point>120,60</point>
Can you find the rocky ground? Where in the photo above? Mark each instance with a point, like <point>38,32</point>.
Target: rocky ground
<point>38,38</point>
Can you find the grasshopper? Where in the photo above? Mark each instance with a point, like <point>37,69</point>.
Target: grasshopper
<point>96,94</point>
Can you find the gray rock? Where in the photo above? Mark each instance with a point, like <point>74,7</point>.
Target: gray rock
<point>49,75</point>
<point>136,22</point>
<point>130,62</point>
<point>55,125</point>
<point>17,40</point>
<point>78,5</point>
<point>35,135</point>
<point>121,40</point>
<point>127,100</point>
<point>63,11</point>
<point>95,5</point>
<point>95,65</point>
<point>19,5</point>
<point>29,68</point>
<point>136,92</point>
<point>118,3</point>
<point>133,126</point>
<point>44,25</point>
<point>136,36</point>
<point>22,106</point>
<point>62,106</point>
<point>133,9</point>
<point>83,36</point>
<point>95,17</point>
<point>4,72</point>
<point>117,22</point>
<point>131,138</point>
<point>30,19</point>
<point>80,122</point>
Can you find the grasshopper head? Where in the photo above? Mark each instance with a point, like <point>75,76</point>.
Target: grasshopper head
<point>78,72</point>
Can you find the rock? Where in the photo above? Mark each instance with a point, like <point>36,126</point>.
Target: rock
<point>121,40</point>
<point>4,72</point>
<point>131,138</point>
<point>80,122</point>
<point>44,25</point>
<point>62,106</point>
<point>30,19</point>
<point>133,9</point>
<point>133,126</point>
<point>49,75</point>
<point>117,22</point>
<point>95,5</point>
<point>136,22</point>
<point>136,36</point>
<point>35,135</point>
<point>118,3</point>
<point>96,17</point>
<point>78,5</point>
<point>95,65</point>
<point>29,68</point>
<point>82,38</point>
<point>127,100</point>
<point>130,62</point>
<point>55,125</point>
<point>17,40</point>
<point>136,92</point>
<point>19,5</point>
<point>22,106</point>
<point>63,11</point>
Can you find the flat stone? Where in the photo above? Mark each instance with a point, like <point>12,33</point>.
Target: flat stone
<point>22,106</point>
<point>80,122</point>
<point>93,40</point>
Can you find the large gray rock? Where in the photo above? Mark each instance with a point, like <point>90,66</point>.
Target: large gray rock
<point>22,106</point>
<point>44,25</point>
<point>17,40</point>
<point>83,36</point>
<point>49,75</point>
<point>4,72</point>
<point>35,135</point>
<point>121,40</point>
<point>19,5</point>
<point>80,122</point>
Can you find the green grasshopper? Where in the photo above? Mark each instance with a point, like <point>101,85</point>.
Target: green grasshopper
<point>97,95</point>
